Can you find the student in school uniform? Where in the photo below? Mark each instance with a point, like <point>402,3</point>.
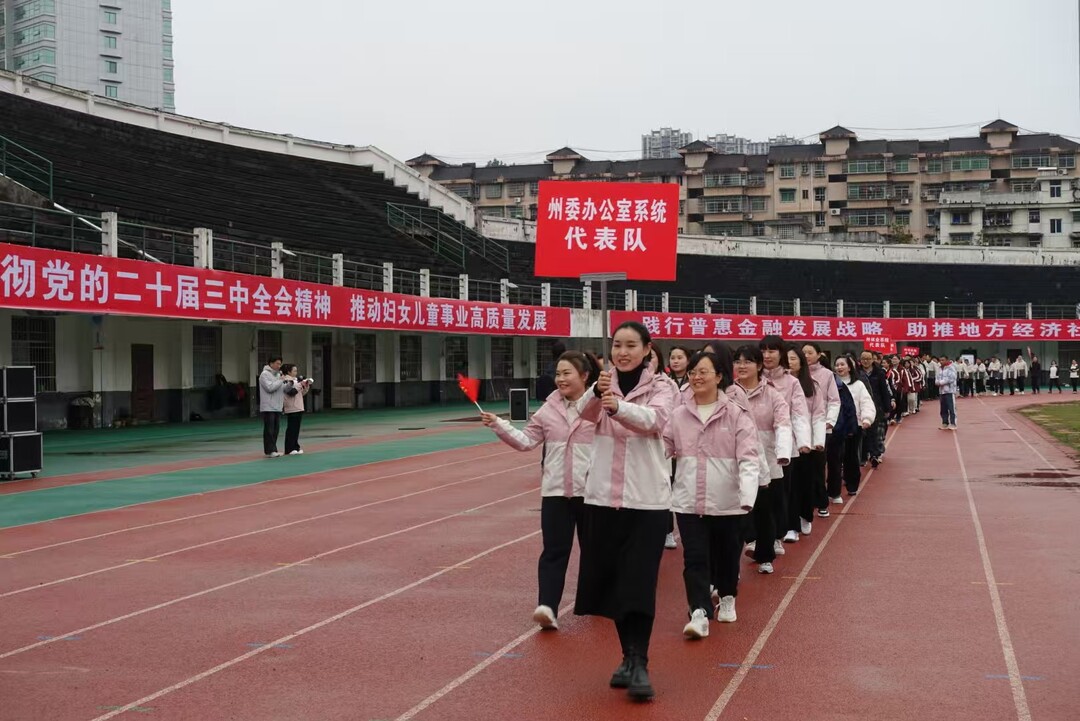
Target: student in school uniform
<point>826,399</point>
<point>715,440</point>
<point>847,371</point>
<point>568,439</point>
<point>1074,375</point>
<point>772,416</point>
<point>627,501</point>
<point>774,354</point>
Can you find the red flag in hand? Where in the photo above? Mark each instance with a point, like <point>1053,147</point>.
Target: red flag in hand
<point>469,386</point>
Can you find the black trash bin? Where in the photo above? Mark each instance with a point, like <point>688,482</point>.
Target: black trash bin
<point>80,417</point>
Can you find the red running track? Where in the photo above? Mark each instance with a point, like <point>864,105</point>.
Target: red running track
<point>885,612</point>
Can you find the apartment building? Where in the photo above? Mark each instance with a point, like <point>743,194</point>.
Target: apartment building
<point>121,50</point>
<point>664,143</point>
<point>1019,189</point>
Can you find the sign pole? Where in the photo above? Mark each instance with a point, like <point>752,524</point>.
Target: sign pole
<point>603,278</point>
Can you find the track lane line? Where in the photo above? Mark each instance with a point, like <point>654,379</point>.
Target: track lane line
<point>12,554</point>
<point>247,534</point>
<point>268,572</point>
<point>313,627</point>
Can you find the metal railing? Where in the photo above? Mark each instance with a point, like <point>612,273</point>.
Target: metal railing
<point>406,282</point>
<point>445,286</point>
<point>485,290</point>
<point>441,244</point>
<point>364,276</point>
<point>526,295</point>
<point>817,308</point>
<point>568,297</point>
<point>307,267</point>
<point>28,225</point>
<point>446,236</point>
<point>956,310</point>
<point>148,242</point>
<point>236,256</point>
<point>26,167</point>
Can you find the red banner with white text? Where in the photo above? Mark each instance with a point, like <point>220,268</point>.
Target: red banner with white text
<point>711,326</point>
<point>592,227</point>
<point>52,280</point>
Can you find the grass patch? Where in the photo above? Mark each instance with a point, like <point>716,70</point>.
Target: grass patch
<point>1061,420</point>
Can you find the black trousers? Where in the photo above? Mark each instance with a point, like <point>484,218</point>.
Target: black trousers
<point>292,431</point>
<point>559,517</point>
<point>802,498</point>
<point>781,501</point>
<point>1012,387</point>
<point>271,427</point>
<point>816,461</point>
<point>843,460</point>
<point>711,548</point>
<point>1020,383</point>
<point>763,523</point>
<point>931,387</point>
<point>1075,383</point>
<point>1055,383</point>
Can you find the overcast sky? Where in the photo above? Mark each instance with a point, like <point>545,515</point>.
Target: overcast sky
<point>475,79</point>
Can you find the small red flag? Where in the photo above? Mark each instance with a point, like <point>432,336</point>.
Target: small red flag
<point>469,386</point>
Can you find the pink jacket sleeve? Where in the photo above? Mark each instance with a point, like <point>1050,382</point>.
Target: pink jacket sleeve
<point>800,420</point>
<point>746,451</point>
<point>524,440</point>
<point>782,427</point>
<point>651,417</point>
<point>832,398</point>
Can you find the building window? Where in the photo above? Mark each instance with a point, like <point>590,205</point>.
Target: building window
<point>867,218</point>
<point>34,8</point>
<point>1066,161</point>
<point>1031,161</point>
<point>1055,188</point>
<point>110,42</point>
<point>961,238</point>
<point>112,91</point>
<point>732,204</point>
<point>1033,216</point>
<point>166,51</point>
<point>411,357</point>
<point>493,192</point>
<point>166,26</point>
<point>170,100</point>
<point>363,358</point>
<point>819,195</point>
<point>205,355</point>
<point>724,228</point>
<point>44,56</point>
<point>855,167</point>
<point>865,191</point>
<point>900,165</point>
<point>804,168</point>
<point>902,217</point>
<point>166,4</point>
<point>111,67</point>
<point>47,77</point>
<point>759,204</point>
<point>819,220</point>
<point>516,190</point>
<point>787,171</point>
<point>969,162</point>
<point>806,195</point>
<point>167,73</point>
<point>269,345</point>
<point>933,218</point>
<point>787,195</point>
<point>757,230</point>
<point>33,343</point>
<point>1055,225</point>
<point>1023,186</point>
<point>961,218</point>
<point>455,356</point>
<point>40,31</point>
<point>493,211</point>
<point>934,165</point>
<point>502,357</point>
<point>534,188</point>
<point>465,191</point>
<point>819,170</point>
<point>110,17</point>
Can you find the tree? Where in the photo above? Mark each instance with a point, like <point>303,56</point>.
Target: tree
<point>495,163</point>
<point>901,234</point>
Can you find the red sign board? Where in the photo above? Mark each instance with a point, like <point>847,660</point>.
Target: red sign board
<point>911,351</point>
<point>41,279</point>
<point>881,344</point>
<point>589,227</point>
<point>712,326</point>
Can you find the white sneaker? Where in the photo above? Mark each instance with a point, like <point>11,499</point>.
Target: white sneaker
<point>751,547</point>
<point>300,451</point>
<point>765,568</point>
<point>791,536</point>
<point>714,595</point>
<point>275,454</point>
<point>952,426</point>
<point>839,501</point>
<point>805,527</point>
<point>698,627</point>
<point>823,513</point>
<point>544,616</point>
<point>725,613</point>
<point>669,541</point>
<point>294,453</point>
<point>778,548</point>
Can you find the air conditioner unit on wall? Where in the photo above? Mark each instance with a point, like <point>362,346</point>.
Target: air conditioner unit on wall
<point>834,211</point>
<point>905,201</point>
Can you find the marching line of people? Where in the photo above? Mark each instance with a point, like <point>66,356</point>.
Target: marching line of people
<point>741,451</point>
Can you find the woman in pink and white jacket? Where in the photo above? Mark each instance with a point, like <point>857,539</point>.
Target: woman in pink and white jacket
<point>627,501</point>
<point>716,482</point>
<point>772,416</point>
<point>568,439</point>
<point>824,410</point>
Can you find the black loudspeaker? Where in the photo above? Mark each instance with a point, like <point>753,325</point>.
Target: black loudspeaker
<point>519,404</point>
<point>18,382</point>
<point>18,416</point>
<point>20,453</point>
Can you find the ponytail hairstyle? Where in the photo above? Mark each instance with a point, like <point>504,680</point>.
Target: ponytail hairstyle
<point>805,380</point>
<point>584,363</point>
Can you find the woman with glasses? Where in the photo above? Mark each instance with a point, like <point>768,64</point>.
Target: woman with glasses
<point>715,440</point>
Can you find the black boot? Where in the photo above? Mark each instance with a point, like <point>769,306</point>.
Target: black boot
<point>639,689</point>
<point>621,677</point>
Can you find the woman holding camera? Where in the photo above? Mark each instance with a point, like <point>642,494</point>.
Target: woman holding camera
<point>295,390</point>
